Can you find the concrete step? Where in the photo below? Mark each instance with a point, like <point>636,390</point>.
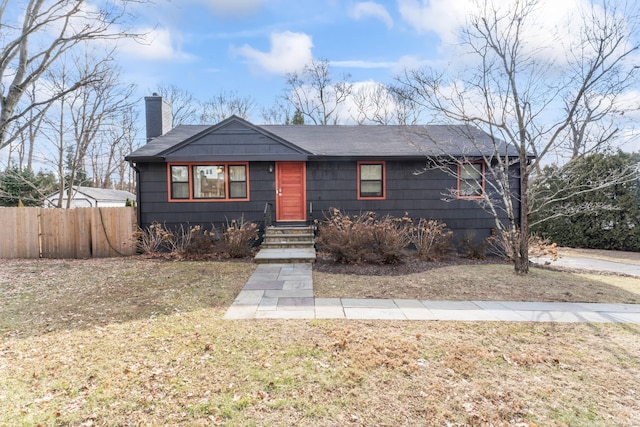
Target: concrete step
<point>289,237</point>
<point>285,255</point>
<point>287,244</point>
<point>290,229</point>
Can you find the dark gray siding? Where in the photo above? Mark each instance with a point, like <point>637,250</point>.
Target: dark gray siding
<point>237,142</point>
<point>334,185</point>
<point>330,184</point>
<point>155,207</point>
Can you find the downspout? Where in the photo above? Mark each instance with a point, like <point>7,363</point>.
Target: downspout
<point>138,192</point>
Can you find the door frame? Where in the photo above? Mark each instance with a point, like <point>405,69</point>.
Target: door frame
<point>303,192</point>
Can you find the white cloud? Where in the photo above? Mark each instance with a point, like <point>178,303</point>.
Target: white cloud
<point>552,26</point>
<point>232,7</point>
<point>157,44</point>
<point>371,9</point>
<point>440,16</point>
<point>289,52</point>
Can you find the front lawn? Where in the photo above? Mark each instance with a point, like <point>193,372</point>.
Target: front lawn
<point>479,282</point>
<point>141,342</point>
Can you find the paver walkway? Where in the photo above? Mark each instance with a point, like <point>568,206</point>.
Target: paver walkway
<point>285,291</point>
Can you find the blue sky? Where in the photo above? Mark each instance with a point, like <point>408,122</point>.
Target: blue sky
<point>247,46</point>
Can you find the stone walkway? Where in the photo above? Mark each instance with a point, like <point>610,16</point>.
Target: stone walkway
<point>285,291</point>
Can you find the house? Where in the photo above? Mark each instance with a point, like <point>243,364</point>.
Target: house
<point>87,197</point>
<point>200,174</point>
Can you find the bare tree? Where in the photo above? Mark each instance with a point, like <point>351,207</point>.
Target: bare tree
<point>185,108</point>
<point>31,45</point>
<point>127,143</point>
<point>314,93</point>
<point>277,114</point>
<point>26,131</point>
<point>383,105</point>
<point>94,110</point>
<point>516,90</point>
<point>115,140</point>
<point>226,104</point>
<point>88,122</point>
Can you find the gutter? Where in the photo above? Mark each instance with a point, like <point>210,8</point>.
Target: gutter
<point>138,192</point>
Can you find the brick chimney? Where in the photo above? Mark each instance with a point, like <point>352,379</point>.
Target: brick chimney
<point>159,116</point>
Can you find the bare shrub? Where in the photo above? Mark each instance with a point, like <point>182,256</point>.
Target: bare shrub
<point>194,242</point>
<point>431,239</point>
<point>154,239</point>
<point>471,248</point>
<point>197,242</point>
<point>353,239</point>
<point>238,238</point>
<point>501,245</point>
<point>503,242</point>
<point>391,236</point>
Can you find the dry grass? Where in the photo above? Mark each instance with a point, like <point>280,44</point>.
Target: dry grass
<point>490,282</point>
<point>49,295</point>
<point>140,342</point>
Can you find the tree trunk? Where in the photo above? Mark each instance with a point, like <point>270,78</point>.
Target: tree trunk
<point>521,251</point>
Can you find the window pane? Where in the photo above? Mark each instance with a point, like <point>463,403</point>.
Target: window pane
<point>471,171</point>
<point>180,190</point>
<point>208,182</point>
<point>371,172</point>
<point>238,190</point>
<point>470,188</point>
<point>471,180</point>
<point>370,188</point>
<point>237,173</point>
<point>179,174</point>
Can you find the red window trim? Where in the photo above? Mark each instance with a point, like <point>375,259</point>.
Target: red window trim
<point>190,166</point>
<point>482,172</point>
<point>384,179</point>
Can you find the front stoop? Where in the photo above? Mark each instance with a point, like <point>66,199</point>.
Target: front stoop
<point>291,244</point>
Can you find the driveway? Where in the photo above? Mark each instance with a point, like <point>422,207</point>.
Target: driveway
<point>583,261</point>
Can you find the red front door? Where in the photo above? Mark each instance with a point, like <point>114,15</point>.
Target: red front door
<point>291,191</point>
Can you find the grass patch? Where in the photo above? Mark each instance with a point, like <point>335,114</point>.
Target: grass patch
<point>140,342</point>
<point>490,282</point>
<point>196,369</point>
<point>49,295</point>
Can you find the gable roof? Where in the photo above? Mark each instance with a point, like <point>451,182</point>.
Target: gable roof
<point>100,194</point>
<point>301,142</point>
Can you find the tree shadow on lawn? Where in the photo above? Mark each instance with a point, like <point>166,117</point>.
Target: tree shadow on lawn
<point>42,296</point>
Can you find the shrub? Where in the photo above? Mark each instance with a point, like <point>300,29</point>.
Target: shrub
<point>190,242</point>
<point>197,242</point>
<point>154,239</point>
<point>238,238</point>
<point>431,239</point>
<point>471,248</point>
<point>501,244</point>
<point>353,239</point>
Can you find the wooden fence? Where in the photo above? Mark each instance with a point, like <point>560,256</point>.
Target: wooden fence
<point>67,233</point>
